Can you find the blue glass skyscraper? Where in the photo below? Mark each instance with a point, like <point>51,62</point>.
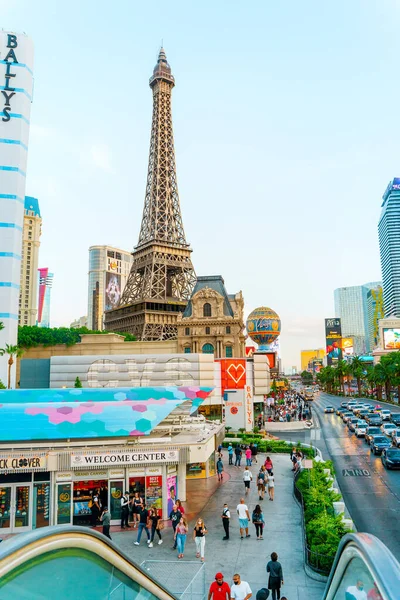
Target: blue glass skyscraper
<point>389,245</point>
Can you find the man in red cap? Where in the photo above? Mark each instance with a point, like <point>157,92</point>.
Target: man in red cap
<point>219,589</point>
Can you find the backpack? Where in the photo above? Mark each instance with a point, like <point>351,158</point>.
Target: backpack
<point>260,481</point>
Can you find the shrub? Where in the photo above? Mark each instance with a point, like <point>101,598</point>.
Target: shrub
<point>2,386</point>
<point>323,528</point>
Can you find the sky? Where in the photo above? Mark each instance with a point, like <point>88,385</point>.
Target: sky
<point>286,136</point>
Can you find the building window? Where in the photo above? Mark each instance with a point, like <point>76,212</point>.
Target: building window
<point>187,350</point>
<point>228,351</point>
<point>187,330</point>
<point>207,331</point>
<point>228,329</point>
<point>207,310</point>
<point>208,349</point>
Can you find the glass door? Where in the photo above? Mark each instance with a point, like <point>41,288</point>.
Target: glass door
<point>22,513</point>
<point>116,493</point>
<point>5,508</point>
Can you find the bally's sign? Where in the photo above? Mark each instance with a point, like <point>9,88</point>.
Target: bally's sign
<point>124,458</point>
<point>8,91</point>
<point>26,463</point>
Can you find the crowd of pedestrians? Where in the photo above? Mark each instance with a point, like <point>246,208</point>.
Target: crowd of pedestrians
<point>293,407</point>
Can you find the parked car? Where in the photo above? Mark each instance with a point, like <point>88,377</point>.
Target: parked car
<point>387,428</point>
<point>391,458</point>
<point>379,443</point>
<point>329,409</point>
<point>361,428</point>
<point>352,422</point>
<point>347,415</point>
<point>386,414</point>
<point>395,418</point>
<point>371,431</point>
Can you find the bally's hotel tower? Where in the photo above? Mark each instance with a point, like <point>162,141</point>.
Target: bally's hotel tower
<point>16,83</point>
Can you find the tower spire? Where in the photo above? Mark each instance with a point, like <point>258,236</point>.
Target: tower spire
<point>162,275</point>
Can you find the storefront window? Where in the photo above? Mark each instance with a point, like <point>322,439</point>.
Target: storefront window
<point>116,493</point>
<point>64,497</point>
<point>83,493</point>
<point>5,505</point>
<point>196,471</point>
<point>41,505</point>
<point>137,484</point>
<point>211,465</point>
<point>22,505</point>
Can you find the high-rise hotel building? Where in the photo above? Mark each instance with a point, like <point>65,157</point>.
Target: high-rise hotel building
<point>16,81</point>
<point>389,246</point>
<point>45,285</point>
<point>108,272</point>
<point>28,293</point>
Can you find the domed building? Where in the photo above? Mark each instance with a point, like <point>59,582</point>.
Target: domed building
<point>213,320</point>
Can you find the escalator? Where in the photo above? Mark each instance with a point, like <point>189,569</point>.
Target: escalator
<point>67,562</point>
<point>364,569</point>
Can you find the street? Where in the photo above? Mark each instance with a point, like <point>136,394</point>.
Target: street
<point>371,493</point>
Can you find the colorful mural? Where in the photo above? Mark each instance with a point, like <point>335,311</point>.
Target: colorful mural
<point>89,413</point>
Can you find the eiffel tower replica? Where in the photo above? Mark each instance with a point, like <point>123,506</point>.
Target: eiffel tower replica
<point>162,276</point>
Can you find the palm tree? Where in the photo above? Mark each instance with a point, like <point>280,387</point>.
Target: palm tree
<point>371,379</point>
<point>384,375</point>
<point>12,351</point>
<point>349,375</point>
<point>1,325</point>
<point>357,368</point>
<point>340,373</point>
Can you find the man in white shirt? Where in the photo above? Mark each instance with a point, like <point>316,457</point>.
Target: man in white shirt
<point>356,592</point>
<point>244,518</point>
<point>247,477</point>
<point>240,590</point>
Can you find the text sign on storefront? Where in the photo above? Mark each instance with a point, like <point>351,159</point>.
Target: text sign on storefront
<point>16,463</point>
<point>124,458</point>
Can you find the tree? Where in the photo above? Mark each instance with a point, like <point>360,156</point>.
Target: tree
<point>12,351</point>
<point>306,377</point>
<point>357,368</point>
<point>1,325</point>
<point>384,374</point>
<point>349,375</point>
<point>32,336</point>
<point>78,383</point>
<point>2,386</point>
<point>340,371</point>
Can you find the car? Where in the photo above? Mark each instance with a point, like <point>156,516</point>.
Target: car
<point>395,418</point>
<point>391,458</point>
<point>347,415</point>
<point>396,438</point>
<point>351,404</point>
<point>374,419</point>
<point>329,409</point>
<point>361,428</point>
<point>351,423</point>
<point>387,428</point>
<point>340,411</point>
<point>379,443</point>
<point>386,414</point>
<point>363,412</point>
<point>344,404</point>
<point>371,431</point>
<point>356,408</point>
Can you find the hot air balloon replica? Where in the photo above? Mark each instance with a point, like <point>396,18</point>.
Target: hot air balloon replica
<point>263,326</point>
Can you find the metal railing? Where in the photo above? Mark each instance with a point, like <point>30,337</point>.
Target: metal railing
<point>320,563</point>
<point>185,580</point>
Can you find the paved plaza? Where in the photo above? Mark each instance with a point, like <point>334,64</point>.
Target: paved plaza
<point>282,534</point>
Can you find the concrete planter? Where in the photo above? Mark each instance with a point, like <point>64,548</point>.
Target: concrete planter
<point>338,507</point>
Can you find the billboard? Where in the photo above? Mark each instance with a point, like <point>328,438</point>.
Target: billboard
<point>233,373</point>
<point>347,346</point>
<point>391,339</point>
<point>333,335</point>
<point>112,294</point>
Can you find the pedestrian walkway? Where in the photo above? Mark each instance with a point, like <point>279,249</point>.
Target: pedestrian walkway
<point>248,557</point>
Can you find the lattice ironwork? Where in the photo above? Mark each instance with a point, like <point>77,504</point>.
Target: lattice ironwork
<point>162,268</point>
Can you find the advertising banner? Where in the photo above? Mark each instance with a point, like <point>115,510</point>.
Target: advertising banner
<point>23,462</point>
<point>391,339</point>
<point>172,491</point>
<point>154,492</point>
<point>333,334</point>
<point>112,294</point>
<point>235,409</point>
<point>233,374</point>
<point>347,346</point>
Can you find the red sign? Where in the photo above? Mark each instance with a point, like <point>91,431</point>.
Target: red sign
<point>154,492</point>
<point>250,350</point>
<point>233,373</point>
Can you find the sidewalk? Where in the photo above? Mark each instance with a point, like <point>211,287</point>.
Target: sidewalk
<point>248,557</point>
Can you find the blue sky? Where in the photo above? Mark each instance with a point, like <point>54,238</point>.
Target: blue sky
<point>286,134</point>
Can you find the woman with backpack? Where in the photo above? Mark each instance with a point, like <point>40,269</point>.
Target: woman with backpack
<point>258,521</point>
<point>261,483</point>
